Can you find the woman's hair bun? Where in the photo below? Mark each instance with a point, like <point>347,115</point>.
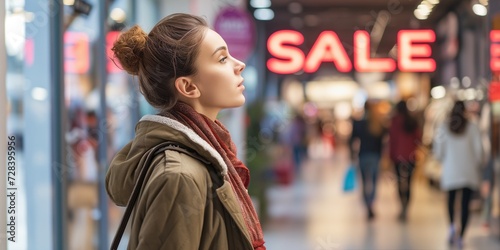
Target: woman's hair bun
<point>129,48</point>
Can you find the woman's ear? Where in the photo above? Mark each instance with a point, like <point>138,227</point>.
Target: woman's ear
<point>186,87</point>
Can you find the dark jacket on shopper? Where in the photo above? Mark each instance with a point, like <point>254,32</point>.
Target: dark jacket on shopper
<point>370,144</point>
<point>185,204</point>
<point>402,144</point>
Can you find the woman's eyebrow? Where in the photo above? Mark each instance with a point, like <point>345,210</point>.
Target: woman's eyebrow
<point>220,48</point>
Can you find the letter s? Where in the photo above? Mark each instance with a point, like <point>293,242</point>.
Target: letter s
<point>291,58</point>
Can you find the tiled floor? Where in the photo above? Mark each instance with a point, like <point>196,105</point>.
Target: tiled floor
<point>313,213</point>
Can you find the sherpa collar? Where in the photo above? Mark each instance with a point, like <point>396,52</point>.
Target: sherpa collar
<point>189,133</point>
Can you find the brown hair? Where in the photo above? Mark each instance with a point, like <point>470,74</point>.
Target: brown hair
<point>410,124</point>
<point>458,121</point>
<point>158,58</point>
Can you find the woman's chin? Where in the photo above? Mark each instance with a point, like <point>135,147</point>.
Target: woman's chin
<point>238,103</point>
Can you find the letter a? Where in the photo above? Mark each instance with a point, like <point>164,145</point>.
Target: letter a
<point>327,48</point>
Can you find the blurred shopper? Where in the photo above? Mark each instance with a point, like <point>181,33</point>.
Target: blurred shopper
<point>487,185</point>
<point>490,156</point>
<point>368,133</point>
<point>298,141</point>
<point>457,144</point>
<point>185,71</point>
<point>404,138</point>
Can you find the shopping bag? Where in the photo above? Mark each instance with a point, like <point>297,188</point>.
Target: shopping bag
<point>350,179</point>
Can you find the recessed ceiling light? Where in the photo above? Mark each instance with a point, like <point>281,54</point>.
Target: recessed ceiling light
<point>438,92</point>
<point>311,20</point>
<point>297,22</point>
<point>480,9</point>
<point>118,15</point>
<point>419,14</point>
<point>295,8</point>
<point>263,14</point>
<point>259,4</point>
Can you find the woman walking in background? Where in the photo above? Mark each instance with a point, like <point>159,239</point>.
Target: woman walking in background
<point>185,70</point>
<point>368,133</point>
<point>404,138</point>
<point>457,144</point>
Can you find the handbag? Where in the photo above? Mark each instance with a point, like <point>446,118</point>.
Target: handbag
<point>349,179</point>
<point>148,158</point>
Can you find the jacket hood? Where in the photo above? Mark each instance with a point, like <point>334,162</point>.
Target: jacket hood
<point>151,130</point>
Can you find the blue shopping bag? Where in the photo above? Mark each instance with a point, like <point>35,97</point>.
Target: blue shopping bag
<point>350,179</point>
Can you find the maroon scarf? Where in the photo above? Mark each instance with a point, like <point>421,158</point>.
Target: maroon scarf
<point>239,176</point>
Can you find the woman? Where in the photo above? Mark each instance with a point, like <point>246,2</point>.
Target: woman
<point>186,72</point>
<point>369,133</point>
<point>404,138</point>
<point>457,144</point>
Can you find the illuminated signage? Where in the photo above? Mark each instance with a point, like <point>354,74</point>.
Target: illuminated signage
<point>494,91</point>
<point>110,40</point>
<point>495,51</point>
<point>414,53</point>
<point>77,52</point>
<point>77,56</point>
<point>494,88</point>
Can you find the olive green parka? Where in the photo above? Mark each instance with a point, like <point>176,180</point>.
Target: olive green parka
<point>186,204</point>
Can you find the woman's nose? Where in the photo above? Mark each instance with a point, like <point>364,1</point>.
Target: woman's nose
<point>240,66</point>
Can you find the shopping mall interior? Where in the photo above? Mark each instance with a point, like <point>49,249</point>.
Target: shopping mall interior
<point>316,70</point>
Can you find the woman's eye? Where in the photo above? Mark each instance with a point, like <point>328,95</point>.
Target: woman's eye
<point>223,60</point>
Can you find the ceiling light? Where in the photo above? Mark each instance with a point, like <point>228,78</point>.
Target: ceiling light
<point>428,5</point>
<point>39,94</point>
<point>454,83</point>
<point>311,20</point>
<point>295,8</point>
<point>466,82</point>
<point>297,23</point>
<point>118,15</point>
<point>470,94</point>
<point>480,9</point>
<point>438,92</point>
<point>479,95</point>
<point>263,14</point>
<point>419,15</point>
<point>424,9</point>
<point>259,4</point>
<point>461,94</point>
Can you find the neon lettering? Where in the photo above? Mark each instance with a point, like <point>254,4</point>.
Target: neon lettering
<point>495,50</point>
<point>292,58</point>
<point>362,60</point>
<point>408,51</point>
<point>327,48</point>
<point>413,53</point>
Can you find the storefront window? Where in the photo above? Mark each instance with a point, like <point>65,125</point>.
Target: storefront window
<point>15,85</point>
<point>86,126</point>
<point>29,89</point>
<point>29,94</point>
<point>60,202</point>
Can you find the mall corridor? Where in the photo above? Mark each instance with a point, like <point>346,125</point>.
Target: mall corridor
<point>315,214</point>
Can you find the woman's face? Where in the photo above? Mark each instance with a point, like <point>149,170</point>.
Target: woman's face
<point>218,75</point>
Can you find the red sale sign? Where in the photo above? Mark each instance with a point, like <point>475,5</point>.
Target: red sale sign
<point>494,91</point>
<point>414,53</point>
